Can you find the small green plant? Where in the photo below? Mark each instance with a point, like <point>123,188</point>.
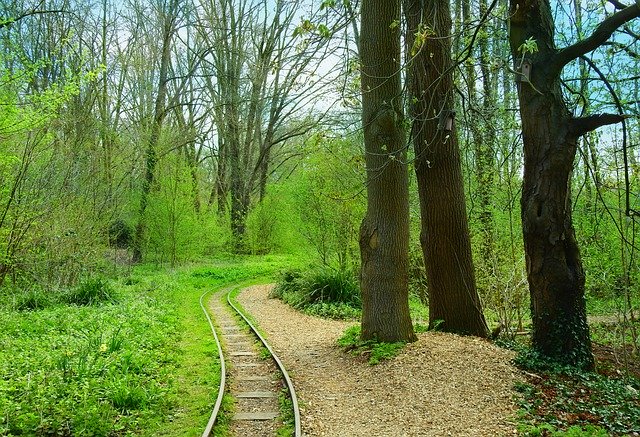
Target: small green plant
<point>286,414</point>
<point>93,291</point>
<point>565,401</point>
<point>529,46</point>
<point>32,299</point>
<point>377,351</point>
<point>125,396</point>
<point>264,353</point>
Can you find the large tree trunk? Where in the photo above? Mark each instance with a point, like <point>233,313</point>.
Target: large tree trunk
<point>454,304</point>
<point>384,233</point>
<point>554,268</point>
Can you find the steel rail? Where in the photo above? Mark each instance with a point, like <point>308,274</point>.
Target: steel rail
<point>223,372</point>
<point>285,375</point>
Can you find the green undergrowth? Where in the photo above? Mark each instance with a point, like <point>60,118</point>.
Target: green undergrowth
<point>133,356</point>
<point>375,351</point>
<point>322,292</point>
<point>288,427</point>
<point>88,370</point>
<point>559,400</point>
<point>333,294</point>
<point>90,292</point>
<point>616,333</point>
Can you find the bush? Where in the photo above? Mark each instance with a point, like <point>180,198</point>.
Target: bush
<point>31,299</point>
<point>322,291</point>
<point>93,291</point>
<point>120,234</point>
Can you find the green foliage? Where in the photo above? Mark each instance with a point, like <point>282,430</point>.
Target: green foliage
<point>321,291</point>
<point>92,291</point>
<point>546,429</point>
<point>117,369</point>
<point>120,234</point>
<point>269,224</point>
<point>31,298</point>
<point>566,401</point>
<point>286,414</point>
<point>529,46</point>
<point>334,310</point>
<point>93,370</point>
<point>328,198</point>
<point>176,232</point>
<point>375,351</point>
<point>616,333</point>
<point>47,233</point>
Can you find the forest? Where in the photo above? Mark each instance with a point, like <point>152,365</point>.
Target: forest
<point>466,167</point>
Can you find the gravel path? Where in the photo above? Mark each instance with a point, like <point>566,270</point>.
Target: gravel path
<point>440,385</point>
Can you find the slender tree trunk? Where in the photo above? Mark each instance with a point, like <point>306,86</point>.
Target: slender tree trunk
<point>156,127</point>
<point>221,186</point>
<point>454,304</point>
<point>485,150</point>
<point>384,233</point>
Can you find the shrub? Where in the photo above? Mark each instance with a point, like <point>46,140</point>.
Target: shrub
<point>31,299</point>
<point>120,234</point>
<point>93,291</point>
<point>324,292</point>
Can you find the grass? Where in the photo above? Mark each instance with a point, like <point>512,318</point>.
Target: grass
<point>286,414</point>
<point>136,357</point>
<point>87,369</point>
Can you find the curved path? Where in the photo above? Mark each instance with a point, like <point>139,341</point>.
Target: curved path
<point>440,385</point>
<point>251,372</point>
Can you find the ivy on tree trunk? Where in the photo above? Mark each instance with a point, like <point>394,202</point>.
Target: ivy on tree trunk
<point>550,135</point>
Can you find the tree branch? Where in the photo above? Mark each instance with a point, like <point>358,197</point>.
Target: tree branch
<point>617,4</point>
<point>599,36</point>
<point>9,21</point>
<point>582,125</point>
<point>623,47</point>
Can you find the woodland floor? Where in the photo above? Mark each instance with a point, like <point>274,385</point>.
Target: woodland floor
<point>440,385</point>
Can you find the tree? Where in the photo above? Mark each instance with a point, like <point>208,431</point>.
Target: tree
<point>550,136</point>
<point>264,86</point>
<point>384,233</point>
<point>168,14</point>
<point>454,304</point>
<point>482,126</point>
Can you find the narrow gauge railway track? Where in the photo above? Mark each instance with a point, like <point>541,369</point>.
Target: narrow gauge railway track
<point>253,380</point>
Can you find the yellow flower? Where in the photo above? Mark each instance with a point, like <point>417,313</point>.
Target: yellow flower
<point>103,347</point>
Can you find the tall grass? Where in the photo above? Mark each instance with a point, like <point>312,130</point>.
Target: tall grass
<point>321,291</point>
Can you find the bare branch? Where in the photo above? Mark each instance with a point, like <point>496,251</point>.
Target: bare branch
<point>582,125</point>
<point>9,21</point>
<point>623,47</point>
<point>617,4</point>
<point>599,36</point>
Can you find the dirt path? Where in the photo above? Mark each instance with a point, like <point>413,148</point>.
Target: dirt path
<point>440,385</point>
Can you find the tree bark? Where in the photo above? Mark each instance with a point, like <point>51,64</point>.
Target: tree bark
<point>550,134</point>
<point>454,305</point>
<point>384,233</point>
